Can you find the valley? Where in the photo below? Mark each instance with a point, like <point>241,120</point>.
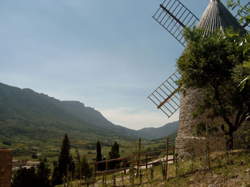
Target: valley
<point>33,124</point>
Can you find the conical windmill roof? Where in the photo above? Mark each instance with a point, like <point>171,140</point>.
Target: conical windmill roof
<point>217,16</point>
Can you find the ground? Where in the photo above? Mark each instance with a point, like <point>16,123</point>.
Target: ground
<point>226,170</point>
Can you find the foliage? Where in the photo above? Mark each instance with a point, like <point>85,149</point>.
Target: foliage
<point>87,172</point>
<point>56,176</point>
<point>65,166</point>
<point>24,177</point>
<point>43,174</point>
<point>113,154</point>
<point>83,168</point>
<point>242,11</point>
<point>77,164</point>
<point>100,166</point>
<point>216,65</point>
<point>32,177</point>
<point>29,119</point>
<point>98,151</point>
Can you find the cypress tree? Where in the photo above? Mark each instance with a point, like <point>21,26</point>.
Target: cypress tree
<point>43,173</point>
<point>56,177</point>
<point>113,154</point>
<point>64,158</point>
<point>98,151</point>
<point>65,164</point>
<point>100,166</point>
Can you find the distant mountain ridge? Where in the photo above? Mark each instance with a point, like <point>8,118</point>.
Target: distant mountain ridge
<point>154,133</point>
<point>27,114</point>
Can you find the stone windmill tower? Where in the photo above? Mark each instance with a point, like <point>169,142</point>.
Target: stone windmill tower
<point>175,17</point>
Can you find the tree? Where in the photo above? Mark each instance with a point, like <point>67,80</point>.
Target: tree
<point>65,165</point>
<point>98,151</point>
<point>25,177</point>
<point>113,154</point>
<point>56,176</point>
<point>216,65</point>
<point>83,167</point>
<point>86,170</point>
<point>100,166</point>
<point>32,177</point>
<point>78,173</point>
<point>43,174</point>
<point>242,11</point>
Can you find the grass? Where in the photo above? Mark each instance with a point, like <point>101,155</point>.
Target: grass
<point>23,148</point>
<point>232,170</point>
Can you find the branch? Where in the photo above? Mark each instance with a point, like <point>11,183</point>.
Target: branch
<point>217,97</point>
<point>243,118</point>
<point>238,119</point>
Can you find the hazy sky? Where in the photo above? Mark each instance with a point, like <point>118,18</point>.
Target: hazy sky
<point>108,54</point>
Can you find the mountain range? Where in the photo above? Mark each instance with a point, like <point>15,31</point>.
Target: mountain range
<point>26,114</point>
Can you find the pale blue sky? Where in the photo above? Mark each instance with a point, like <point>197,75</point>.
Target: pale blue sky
<point>108,54</point>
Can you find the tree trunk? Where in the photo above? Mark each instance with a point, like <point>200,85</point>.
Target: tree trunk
<point>230,141</point>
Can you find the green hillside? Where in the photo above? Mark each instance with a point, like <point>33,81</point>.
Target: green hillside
<point>31,121</point>
<point>155,133</point>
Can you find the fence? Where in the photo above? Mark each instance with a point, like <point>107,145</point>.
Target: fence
<point>146,168</point>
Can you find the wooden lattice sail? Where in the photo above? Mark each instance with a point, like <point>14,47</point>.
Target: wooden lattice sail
<point>166,97</point>
<point>174,16</point>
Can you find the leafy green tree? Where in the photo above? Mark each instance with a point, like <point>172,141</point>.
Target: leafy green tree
<point>216,65</point>
<point>83,167</point>
<point>78,173</point>
<point>33,177</point>
<point>25,177</point>
<point>86,170</point>
<point>242,76</point>
<point>242,11</point>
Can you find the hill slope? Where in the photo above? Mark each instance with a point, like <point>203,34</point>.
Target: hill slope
<point>29,119</point>
<point>155,133</point>
<point>25,112</point>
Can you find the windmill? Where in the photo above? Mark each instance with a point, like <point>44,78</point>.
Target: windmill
<point>174,17</point>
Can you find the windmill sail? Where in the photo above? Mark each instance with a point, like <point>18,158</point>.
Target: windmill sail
<point>243,13</point>
<point>173,16</point>
<point>166,97</point>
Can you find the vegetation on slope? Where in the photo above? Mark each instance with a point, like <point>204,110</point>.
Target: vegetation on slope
<point>31,122</point>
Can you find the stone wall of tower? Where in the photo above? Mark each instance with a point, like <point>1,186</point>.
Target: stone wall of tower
<point>5,168</point>
<point>187,140</point>
<point>189,99</point>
